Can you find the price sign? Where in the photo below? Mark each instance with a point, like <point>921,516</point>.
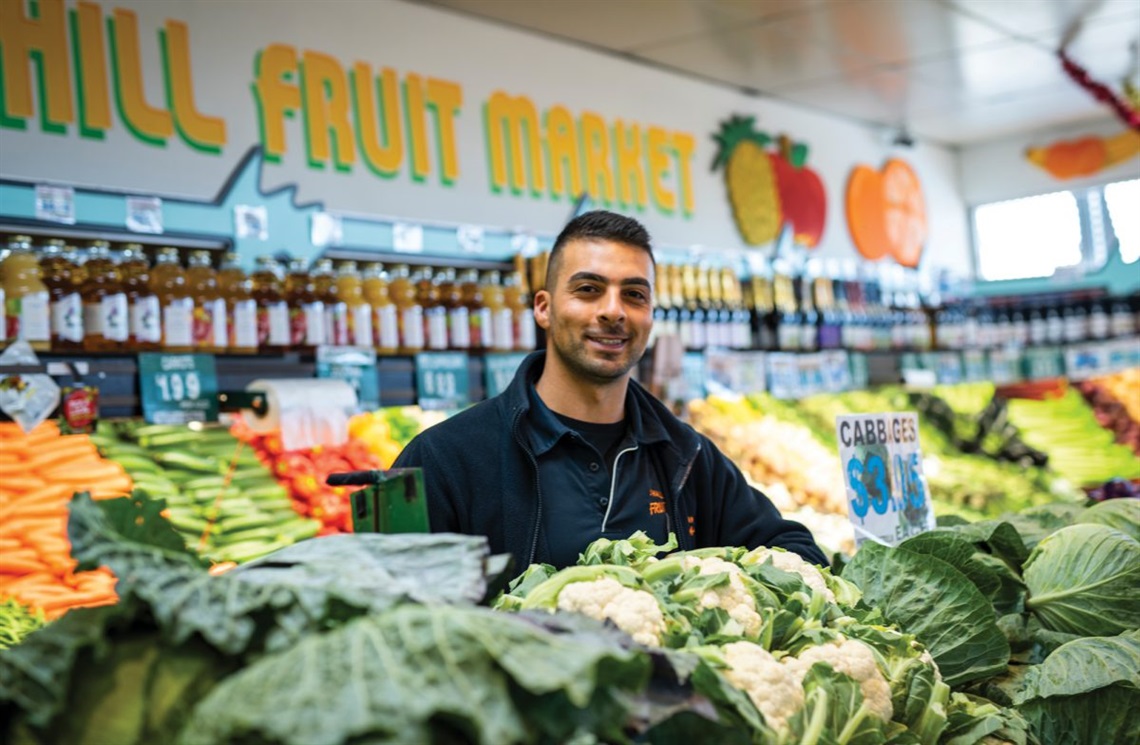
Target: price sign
<point>783,375</point>
<point>1004,367</point>
<point>1123,354</point>
<point>693,375</point>
<point>860,372</point>
<point>499,370</point>
<point>887,496</point>
<point>974,364</point>
<point>837,371</point>
<point>949,368</point>
<point>442,380</point>
<point>178,388</point>
<point>1039,363</point>
<point>355,366</point>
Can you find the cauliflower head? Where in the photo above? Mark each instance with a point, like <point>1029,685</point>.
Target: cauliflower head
<point>733,597</point>
<point>636,612</point>
<point>855,659</point>
<point>795,564</point>
<point>776,689</point>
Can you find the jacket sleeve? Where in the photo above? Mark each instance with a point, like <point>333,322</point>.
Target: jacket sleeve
<point>423,452</point>
<point>744,516</point>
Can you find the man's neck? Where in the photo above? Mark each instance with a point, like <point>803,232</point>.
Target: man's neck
<point>587,402</point>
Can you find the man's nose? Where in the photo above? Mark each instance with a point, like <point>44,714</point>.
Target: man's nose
<point>612,309</point>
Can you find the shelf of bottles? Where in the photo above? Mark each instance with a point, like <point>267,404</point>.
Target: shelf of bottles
<point>100,303</point>
<point>73,299</point>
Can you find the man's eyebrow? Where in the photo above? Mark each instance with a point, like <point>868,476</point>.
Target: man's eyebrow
<point>592,277</point>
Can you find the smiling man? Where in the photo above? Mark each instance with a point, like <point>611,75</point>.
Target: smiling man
<point>574,449</point>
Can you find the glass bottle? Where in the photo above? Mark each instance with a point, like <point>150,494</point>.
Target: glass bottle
<point>327,290</point>
<point>66,304</point>
<point>409,312</point>
<point>144,312</point>
<point>106,314</point>
<point>306,309</point>
<point>434,313</point>
<point>458,317</point>
<point>477,311</point>
<point>385,319</point>
<point>168,281</point>
<point>522,314</point>
<point>502,317</point>
<point>27,301</point>
<point>236,290</point>
<point>350,291</point>
<point>210,325</point>
<point>273,332</point>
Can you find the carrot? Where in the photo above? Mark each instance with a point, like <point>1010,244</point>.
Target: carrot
<point>18,564</point>
<point>21,482</point>
<point>62,456</point>
<point>88,469</point>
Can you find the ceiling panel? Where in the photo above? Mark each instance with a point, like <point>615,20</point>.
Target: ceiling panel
<point>777,53</point>
<point>628,24</point>
<point>985,120</point>
<point>893,31</point>
<point>955,71</point>
<point>990,72</point>
<point>1046,21</point>
<point>875,95</point>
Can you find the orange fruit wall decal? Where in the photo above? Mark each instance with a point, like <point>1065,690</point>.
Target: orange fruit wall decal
<point>886,212</point>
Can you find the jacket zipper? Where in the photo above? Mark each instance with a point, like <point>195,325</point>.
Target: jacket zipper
<point>613,483</point>
<point>537,489</point>
<point>682,534</point>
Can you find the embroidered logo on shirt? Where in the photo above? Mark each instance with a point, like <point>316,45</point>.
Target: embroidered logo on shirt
<point>656,502</point>
<point>692,526</point>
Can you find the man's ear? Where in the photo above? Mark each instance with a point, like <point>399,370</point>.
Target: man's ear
<point>542,309</point>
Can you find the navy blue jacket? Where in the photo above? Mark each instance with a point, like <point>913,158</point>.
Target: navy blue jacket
<point>482,479</point>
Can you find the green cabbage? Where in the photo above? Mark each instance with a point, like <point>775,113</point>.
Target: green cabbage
<point>1122,514</point>
<point>1085,579</point>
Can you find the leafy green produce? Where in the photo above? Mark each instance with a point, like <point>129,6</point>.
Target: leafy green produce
<point>1121,514</point>
<point>360,683</point>
<point>17,621</point>
<point>934,601</point>
<point>172,609</point>
<point>1085,579</point>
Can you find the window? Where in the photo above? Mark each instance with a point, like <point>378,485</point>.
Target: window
<point>1035,236</point>
<point>1124,214</point>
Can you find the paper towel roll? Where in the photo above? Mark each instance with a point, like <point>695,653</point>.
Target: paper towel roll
<point>306,412</point>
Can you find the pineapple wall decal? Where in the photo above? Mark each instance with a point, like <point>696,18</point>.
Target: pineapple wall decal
<point>768,188</point>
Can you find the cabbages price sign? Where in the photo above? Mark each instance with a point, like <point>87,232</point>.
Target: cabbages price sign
<point>442,380</point>
<point>887,497</point>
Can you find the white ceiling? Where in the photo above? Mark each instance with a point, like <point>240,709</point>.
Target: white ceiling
<point>950,71</point>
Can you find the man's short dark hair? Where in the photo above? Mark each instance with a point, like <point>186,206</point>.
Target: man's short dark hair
<point>599,225</point>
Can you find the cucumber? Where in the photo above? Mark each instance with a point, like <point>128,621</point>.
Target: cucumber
<point>204,482</point>
<point>188,462</point>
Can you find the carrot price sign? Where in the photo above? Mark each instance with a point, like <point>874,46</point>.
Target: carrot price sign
<point>886,212</point>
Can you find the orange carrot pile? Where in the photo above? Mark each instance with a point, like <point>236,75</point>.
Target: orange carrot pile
<point>39,471</point>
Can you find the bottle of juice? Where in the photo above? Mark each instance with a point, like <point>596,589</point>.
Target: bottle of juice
<point>478,314</point>
<point>66,303</point>
<point>210,323</point>
<point>168,281</point>
<point>517,299</point>
<point>409,312</point>
<point>502,317</point>
<point>273,333</point>
<point>241,309</point>
<point>306,310</point>
<point>458,318</point>
<point>385,318</point>
<point>434,314</point>
<point>26,298</point>
<point>144,312</point>
<point>326,289</point>
<point>350,290</point>
<point>106,313</point>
